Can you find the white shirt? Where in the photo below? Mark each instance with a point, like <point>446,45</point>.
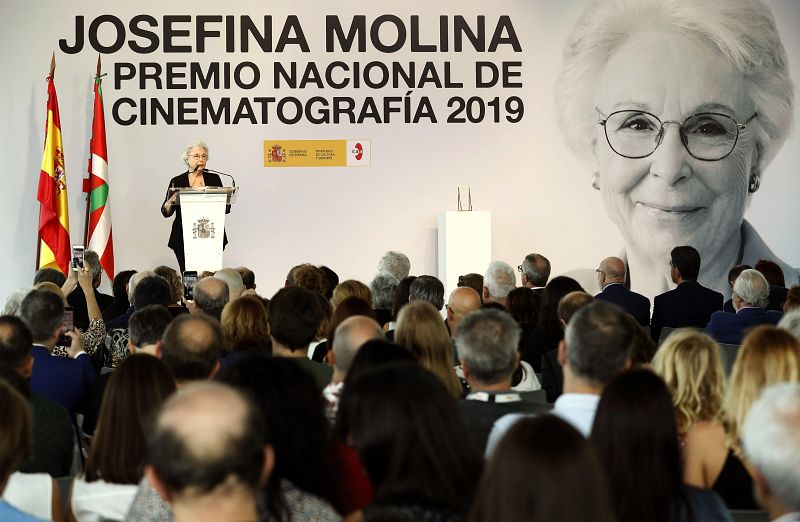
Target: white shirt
<point>31,493</point>
<point>578,409</point>
<point>100,500</point>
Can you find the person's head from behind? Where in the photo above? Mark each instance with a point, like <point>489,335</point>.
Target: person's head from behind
<point>135,391</point>
<point>768,355</point>
<point>635,413</point>
<point>288,398</point>
<point>642,346</point>
<point>685,263</point>
<point>750,290</point>
<point>119,287</point>
<point>245,323</point>
<point>146,328</point>
<point>248,277</point>
<point>351,334</point>
<point>771,271</point>
<point>208,442</point>
<point>772,446</point>
<point>535,271</point>
<point>429,289</point>
<point>331,280</point>
<point>383,287</point>
<point>16,431</point>
<point>49,275</point>
<point>294,316</point>
<point>734,272</point>
<point>395,264</point>
<point>409,436</point>
<point>498,281</point>
<point>462,301</point>
<point>421,331</point>
<point>487,342</point>
<point>351,288</point>
<point>689,362</point>
<point>210,296</point>
<point>373,355</point>
<point>557,288</point>
<point>174,281</point>
<point>233,279</point>
<point>543,469</point>
<point>43,313</point>
<point>791,322</point>
<point>596,345</point>
<point>150,290</point>
<point>570,304</point>
<point>524,306</point>
<point>192,347</point>
<point>611,270</point>
<point>401,295</point>
<point>792,301</point>
<point>352,306</point>
<point>92,260</point>
<point>16,345</point>
<point>472,280</point>
<point>307,276</point>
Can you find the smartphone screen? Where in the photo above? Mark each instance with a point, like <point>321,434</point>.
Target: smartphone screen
<point>189,279</point>
<point>69,324</point>
<point>77,257</point>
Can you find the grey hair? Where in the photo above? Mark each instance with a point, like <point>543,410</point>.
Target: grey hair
<point>599,340</point>
<point>193,145</point>
<point>487,341</point>
<point>752,288</point>
<point>791,322</point>
<point>537,268</point>
<point>383,288</point>
<point>742,30</point>
<point>135,278</point>
<point>92,260</point>
<point>771,443</point>
<point>394,263</point>
<point>429,289</point>
<point>14,301</point>
<point>500,279</point>
<point>232,278</point>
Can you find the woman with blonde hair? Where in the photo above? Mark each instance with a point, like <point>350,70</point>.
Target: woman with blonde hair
<point>246,327</point>
<point>350,288</point>
<point>421,330</point>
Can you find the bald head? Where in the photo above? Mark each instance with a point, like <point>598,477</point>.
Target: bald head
<point>210,296</point>
<point>570,304</point>
<point>463,300</point>
<point>192,346</point>
<point>613,268</point>
<point>351,335</point>
<point>233,279</point>
<point>207,436</point>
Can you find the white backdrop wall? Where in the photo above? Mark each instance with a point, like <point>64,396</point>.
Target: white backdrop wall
<point>538,192</point>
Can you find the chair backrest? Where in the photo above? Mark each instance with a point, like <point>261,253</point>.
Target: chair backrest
<point>534,396</point>
<point>744,515</point>
<point>728,353</point>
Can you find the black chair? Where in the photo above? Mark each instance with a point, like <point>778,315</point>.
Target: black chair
<point>665,331</point>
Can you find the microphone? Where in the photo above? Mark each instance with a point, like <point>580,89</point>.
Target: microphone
<point>233,181</point>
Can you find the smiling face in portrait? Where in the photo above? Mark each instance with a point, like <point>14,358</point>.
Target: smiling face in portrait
<point>197,158</point>
<point>671,198</point>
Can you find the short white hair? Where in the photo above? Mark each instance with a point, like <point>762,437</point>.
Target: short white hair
<point>752,288</point>
<point>233,279</point>
<point>771,438</point>
<point>500,279</point>
<point>791,322</point>
<point>743,30</point>
<point>14,301</point>
<point>193,145</point>
<point>394,263</point>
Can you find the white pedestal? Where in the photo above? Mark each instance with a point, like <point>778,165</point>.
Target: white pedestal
<point>203,229</point>
<point>465,246</point>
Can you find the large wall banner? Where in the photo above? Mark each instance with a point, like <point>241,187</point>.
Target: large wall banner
<point>587,128</point>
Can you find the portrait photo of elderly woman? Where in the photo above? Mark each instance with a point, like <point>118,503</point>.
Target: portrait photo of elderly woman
<point>195,156</point>
<point>678,106</point>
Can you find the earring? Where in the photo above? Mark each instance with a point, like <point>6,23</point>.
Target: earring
<point>595,178</point>
<point>755,183</point>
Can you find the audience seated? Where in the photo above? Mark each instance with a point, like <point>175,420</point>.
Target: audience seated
<point>750,296</point>
<point>400,300</point>
<point>245,323</point>
<point>777,284</point>
<point>792,299</point>
<point>461,302</point>
<point>474,281</point>
<point>498,281</point>
<point>175,282</point>
<point>233,279</point>
<point>207,454</point>
<point>487,343</point>
<point>429,289</point>
<point>690,303</point>
<point>116,459</point>
<point>543,469</point>
<point>248,278</point>
<point>121,302</point>
<point>309,277</point>
<point>350,288</point>
<point>611,276</point>
<point>93,336</point>
<point>411,440</point>
<point>383,288</point>
<point>525,307</point>
<point>773,450</point>
<point>549,330</point>
<point>635,413</point>
<point>420,330</point>
<point>210,297</point>
<point>395,264</point>
<point>77,298</point>
<point>122,320</point>
<point>331,280</point>
<point>535,270</point>
<point>791,322</point>
<point>733,273</point>
<point>350,307</point>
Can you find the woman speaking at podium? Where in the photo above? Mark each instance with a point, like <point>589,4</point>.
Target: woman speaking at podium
<point>195,155</point>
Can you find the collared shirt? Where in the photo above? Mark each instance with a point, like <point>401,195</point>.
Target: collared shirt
<point>578,409</point>
<point>495,397</point>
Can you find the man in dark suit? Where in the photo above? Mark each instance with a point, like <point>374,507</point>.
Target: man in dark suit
<point>772,446</point>
<point>690,304</point>
<point>535,271</point>
<point>750,295</point>
<point>611,276</point>
<point>66,380</point>
<point>487,343</point>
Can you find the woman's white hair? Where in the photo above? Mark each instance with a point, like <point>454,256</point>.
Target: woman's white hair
<point>193,145</point>
<point>743,30</point>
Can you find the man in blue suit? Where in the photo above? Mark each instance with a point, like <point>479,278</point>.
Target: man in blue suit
<point>66,380</point>
<point>690,304</point>
<point>750,296</point>
<point>611,276</point>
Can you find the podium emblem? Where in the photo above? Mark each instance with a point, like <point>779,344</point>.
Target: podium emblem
<point>203,229</point>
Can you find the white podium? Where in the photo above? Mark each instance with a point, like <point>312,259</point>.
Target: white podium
<point>203,216</point>
<point>465,245</point>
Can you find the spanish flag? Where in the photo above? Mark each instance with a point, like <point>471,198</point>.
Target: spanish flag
<point>54,245</point>
<point>98,209</point>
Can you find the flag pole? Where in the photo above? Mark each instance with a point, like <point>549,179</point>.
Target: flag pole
<point>50,78</point>
<point>87,183</point>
